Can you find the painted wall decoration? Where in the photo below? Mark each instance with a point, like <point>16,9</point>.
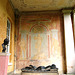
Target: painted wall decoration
<point>39,49</point>
<point>39,40</point>
<point>34,43</point>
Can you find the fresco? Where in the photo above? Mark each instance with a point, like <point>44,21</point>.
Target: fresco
<point>39,49</point>
<point>34,43</point>
<point>39,40</point>
<point>55,43</point>
<point>23,47</point>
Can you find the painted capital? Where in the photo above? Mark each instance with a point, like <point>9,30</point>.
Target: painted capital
<point>74,11</point>
<point>66,11</point>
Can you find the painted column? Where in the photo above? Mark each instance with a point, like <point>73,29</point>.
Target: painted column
<point>48,45</point>
<point>4,63</point>
<point>69,41</point>
<point>54,33</point>
<point>29,46</point>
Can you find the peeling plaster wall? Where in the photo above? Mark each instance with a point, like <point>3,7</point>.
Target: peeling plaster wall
<point>6,12</point>
<point>40,40</point>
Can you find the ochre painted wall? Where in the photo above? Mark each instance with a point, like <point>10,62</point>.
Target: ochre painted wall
<point>6,12</point>
<point>39,40</point>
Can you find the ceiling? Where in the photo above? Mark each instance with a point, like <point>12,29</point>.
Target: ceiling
<point>41,5</point>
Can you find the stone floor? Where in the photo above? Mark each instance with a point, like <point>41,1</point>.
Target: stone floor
<point>59,74</point>
<point>16,74</point>
<point>67,74</point>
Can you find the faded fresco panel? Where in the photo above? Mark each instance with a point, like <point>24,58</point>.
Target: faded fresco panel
<point>39,46</point>
<point>23,46</point>
<point>55,43</point>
